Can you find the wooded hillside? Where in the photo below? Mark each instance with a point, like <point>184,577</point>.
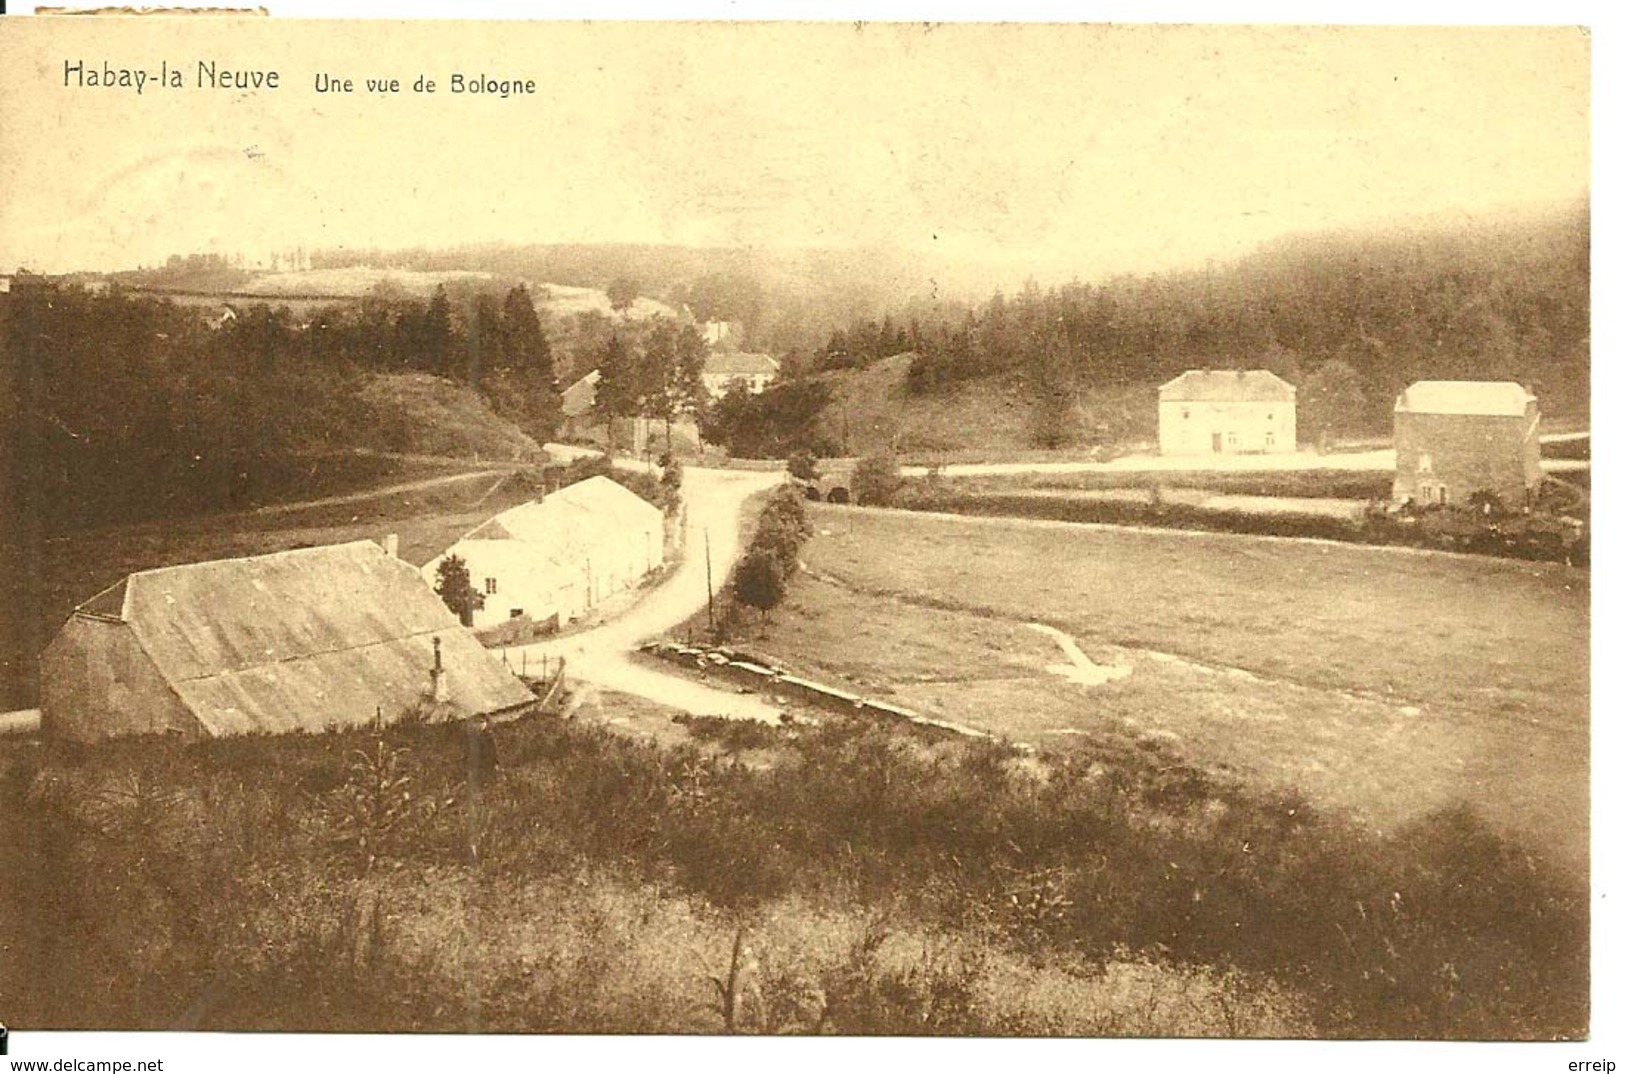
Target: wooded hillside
<point>1351,317</point>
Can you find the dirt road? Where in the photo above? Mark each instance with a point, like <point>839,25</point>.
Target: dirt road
<point>382,491</point>
<point>715,506</point>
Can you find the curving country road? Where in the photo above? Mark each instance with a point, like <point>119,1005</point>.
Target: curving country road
<point>715,501</point>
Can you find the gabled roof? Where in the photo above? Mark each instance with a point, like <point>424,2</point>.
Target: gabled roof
<point>1476,397</point>
<point>606,496</point>
<point>307,639</point>
<point>1227,386</point>
<point>739,364</point>
<point>571,521</point>
<point>578,398</point>
<point>490,530</point>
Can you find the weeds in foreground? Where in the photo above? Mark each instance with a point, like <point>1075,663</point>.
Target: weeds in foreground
<point>874,881</point>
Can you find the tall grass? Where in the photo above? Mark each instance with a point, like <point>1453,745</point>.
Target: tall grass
<point>870,880</point>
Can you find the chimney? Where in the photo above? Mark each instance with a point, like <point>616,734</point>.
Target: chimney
<point>437,678</point>
<point>392,545</point>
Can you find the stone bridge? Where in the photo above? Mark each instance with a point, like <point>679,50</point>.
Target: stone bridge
<point>834,483</point>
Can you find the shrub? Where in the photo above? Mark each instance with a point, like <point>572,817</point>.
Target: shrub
<point>803,466</point>
<point>671,474</point>
<point>365,813</point>
<point>166,870</point>
<point>759,580</point>
<point>452,582</point>
<point>875,480</point>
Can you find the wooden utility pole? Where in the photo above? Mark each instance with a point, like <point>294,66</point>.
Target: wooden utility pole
<point>710,610</point>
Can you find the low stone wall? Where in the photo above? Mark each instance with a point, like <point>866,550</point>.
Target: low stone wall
<point>758,674</point>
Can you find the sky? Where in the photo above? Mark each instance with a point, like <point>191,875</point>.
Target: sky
<point>1059,150</point>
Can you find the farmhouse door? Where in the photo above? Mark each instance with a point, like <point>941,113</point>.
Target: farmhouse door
<point>1218,443</point>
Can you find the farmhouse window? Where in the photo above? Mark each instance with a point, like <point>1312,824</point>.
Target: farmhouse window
<point>1230,438</point>
<point>515,613</point>
<point>490,585</point>
<point>1269,439</point>
<point>1444,494</point>
<point>1185,413</point>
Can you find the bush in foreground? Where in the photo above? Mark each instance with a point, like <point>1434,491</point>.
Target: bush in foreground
<point>885,880</point>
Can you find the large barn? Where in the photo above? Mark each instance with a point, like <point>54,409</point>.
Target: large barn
<point>554,558</point>
<point>1453,438</point>
<point>1227,412</point>
<point>293,641</point>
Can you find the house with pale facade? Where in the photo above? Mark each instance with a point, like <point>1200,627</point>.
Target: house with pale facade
<point>1453,438</point>
<point>1227,412</point>
<point>551,560</point>
<point>724,369</point>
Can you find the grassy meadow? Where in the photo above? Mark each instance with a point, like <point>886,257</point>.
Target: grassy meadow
<point>1379,682</point>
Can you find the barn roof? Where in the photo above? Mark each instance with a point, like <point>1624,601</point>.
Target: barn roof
<point>306,639</point>
<point>1477,397</point>
<point>739,364</point>
<point>1227,386</point>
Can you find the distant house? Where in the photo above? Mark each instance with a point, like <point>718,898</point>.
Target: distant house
<point>576,404</point>
<point>723,335</point>
<point>553,559</point>
<point>1225,412</point>
<point>640,436</point>
<point>292,641</point>
<point>220,317</point>
<point>724,369</point>
<point>1453,438</point>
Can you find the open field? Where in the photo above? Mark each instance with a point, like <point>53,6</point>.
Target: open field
<point>560,300</point>
<point>356,281</point>
<point>1382,682</point>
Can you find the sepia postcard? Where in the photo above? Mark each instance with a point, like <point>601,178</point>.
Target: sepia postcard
<point>1069,530</point>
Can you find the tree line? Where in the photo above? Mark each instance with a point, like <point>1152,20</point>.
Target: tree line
<point>1355,318</point>
<point>650,371</point>
<point>497,347</point>
<point>133,407</point>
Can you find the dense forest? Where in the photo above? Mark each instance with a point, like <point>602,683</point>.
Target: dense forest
<point>1350,319</point>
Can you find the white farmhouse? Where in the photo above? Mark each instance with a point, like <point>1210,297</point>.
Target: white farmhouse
<point>725,369</point>
<point>1226,412</point>
<point>553,559</point>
